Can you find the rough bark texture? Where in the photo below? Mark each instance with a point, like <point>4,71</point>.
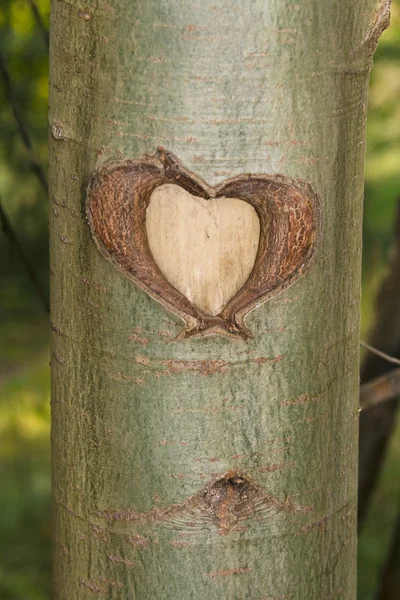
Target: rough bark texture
<point>207,468</point>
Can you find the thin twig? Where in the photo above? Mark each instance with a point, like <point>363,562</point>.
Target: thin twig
<point>374,350</point>
<point>36,167</point>
<point>10,233</point>
<point>381,389</point>
<point>39,21</point>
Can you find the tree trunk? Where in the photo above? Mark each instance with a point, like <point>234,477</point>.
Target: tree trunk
<point>195,454</point>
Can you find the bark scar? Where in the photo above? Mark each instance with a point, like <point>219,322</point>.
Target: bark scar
<point>224,503</point>
<point>288,210</point>
<point>381,22</point>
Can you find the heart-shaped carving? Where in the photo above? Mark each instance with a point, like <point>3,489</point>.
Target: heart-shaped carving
<point>205,248</point>
<point>269,234</point>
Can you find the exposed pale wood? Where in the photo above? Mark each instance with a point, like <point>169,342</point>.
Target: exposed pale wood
<point>119,194</point>
<point>205,248</point>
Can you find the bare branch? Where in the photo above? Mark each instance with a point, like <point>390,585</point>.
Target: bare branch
<point>39,21</point>
<point>381,389</point>
<point>374,350</point>
<point>8,230</point>
<point>36,167</point>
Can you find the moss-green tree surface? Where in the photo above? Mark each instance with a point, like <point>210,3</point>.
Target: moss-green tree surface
<point>151,436</point>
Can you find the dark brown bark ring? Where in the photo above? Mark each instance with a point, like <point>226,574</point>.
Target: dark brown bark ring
<point>289,212</point>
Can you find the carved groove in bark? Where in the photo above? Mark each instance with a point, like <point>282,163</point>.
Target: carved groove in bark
<point>289,213</point>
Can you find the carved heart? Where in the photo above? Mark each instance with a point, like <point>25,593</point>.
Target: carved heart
<point>212,256</point>
<point>266,226</point>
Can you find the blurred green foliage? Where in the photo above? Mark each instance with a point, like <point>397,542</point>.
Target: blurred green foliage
<point>382,169</point>
<point>25,570</point>
<point>25,538</point>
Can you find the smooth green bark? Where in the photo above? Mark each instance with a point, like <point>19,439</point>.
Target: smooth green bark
<point>141,423</point>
